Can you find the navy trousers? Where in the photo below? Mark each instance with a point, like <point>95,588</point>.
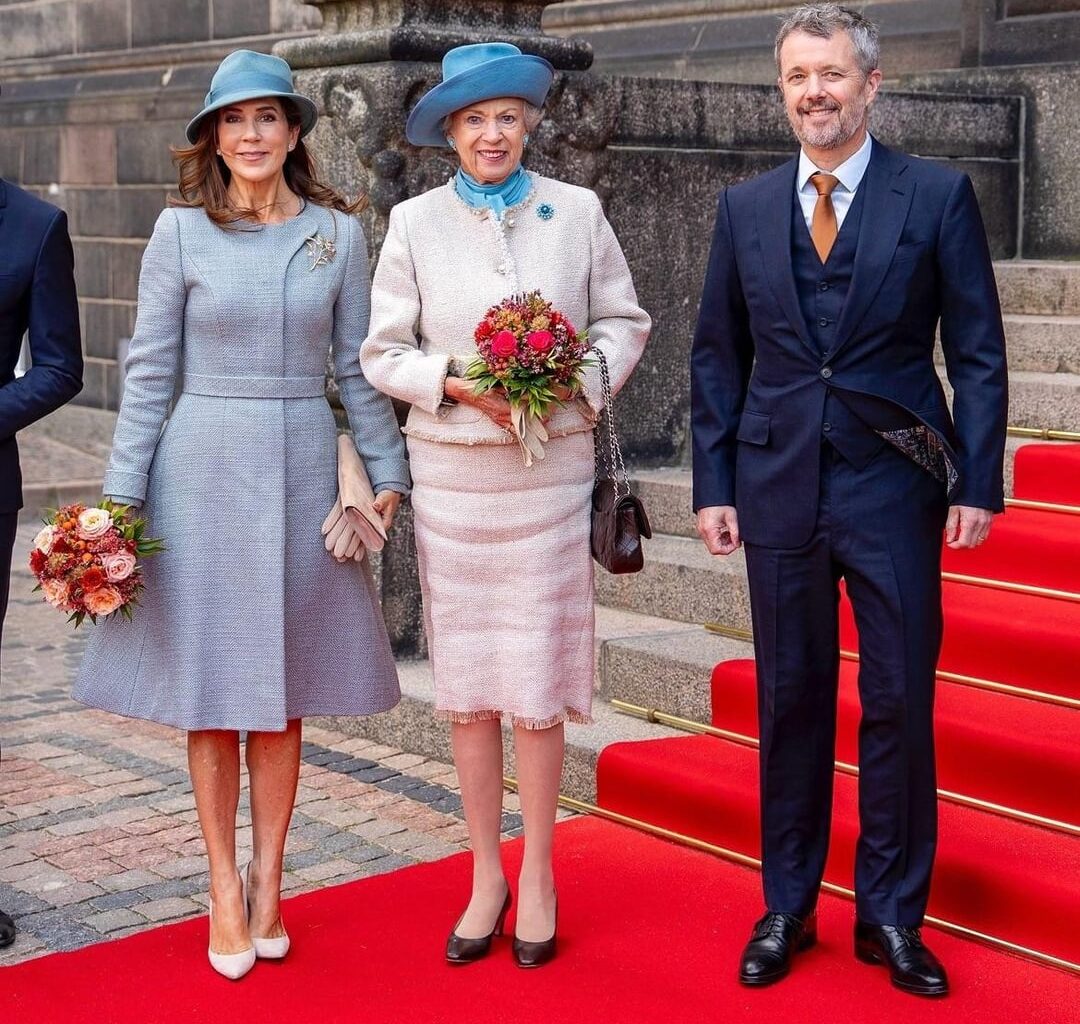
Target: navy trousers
<point>9,522</point>
<point>879,528</point>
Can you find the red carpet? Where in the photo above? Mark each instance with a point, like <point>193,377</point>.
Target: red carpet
<point>650,932</point>
<point>1021,639</point>
<point>996,875</point>
<point>992,746</point>
<point>1048,472</point>
<point>1029,546</point>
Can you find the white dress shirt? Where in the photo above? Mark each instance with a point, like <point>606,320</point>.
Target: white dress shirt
<point>850,173</point>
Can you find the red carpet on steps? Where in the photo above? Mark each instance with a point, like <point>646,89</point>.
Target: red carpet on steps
<point>1020,639</point>
<point>1048,472</point>
<point>992,746</point>
<point>996,875</point>
<point>650,934</point>
<point>1028,546</point>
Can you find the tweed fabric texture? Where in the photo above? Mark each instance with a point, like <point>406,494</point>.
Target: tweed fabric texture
<point>507,579</point>
<point>246,621</point>
<point>444,264</point>
<point>505,566</point>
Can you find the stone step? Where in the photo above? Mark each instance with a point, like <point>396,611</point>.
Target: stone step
<point>1039,287</point>
<point>670,673</point>
<point>412,727</point>
<point>682,581</point>
<point>1048,401</point>
<point>1044,344</point>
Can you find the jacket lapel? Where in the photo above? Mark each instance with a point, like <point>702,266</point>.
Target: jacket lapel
<point>774,213</point>
<point>889,192</point>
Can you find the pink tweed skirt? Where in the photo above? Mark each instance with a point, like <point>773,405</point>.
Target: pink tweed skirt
<point>507,579</point>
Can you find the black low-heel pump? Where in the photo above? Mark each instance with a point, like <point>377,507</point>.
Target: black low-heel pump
<point>460,950</point>
<point>536,954</point>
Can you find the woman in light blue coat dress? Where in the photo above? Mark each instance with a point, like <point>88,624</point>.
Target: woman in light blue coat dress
<point>247,622</point>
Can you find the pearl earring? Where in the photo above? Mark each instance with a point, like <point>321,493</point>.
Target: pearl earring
<point>526,138</point>
<point>450,142</point>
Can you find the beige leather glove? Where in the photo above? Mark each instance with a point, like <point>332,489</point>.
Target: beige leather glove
<point>342,541</point>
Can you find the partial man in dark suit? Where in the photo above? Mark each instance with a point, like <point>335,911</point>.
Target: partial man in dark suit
<point>37,294</point>
<point>823,442</point>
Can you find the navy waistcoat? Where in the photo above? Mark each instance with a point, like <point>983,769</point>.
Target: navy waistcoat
<point>822,291</point>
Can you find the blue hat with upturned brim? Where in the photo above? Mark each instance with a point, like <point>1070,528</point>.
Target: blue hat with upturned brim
<point>471,74</point>
<point>247,75</point>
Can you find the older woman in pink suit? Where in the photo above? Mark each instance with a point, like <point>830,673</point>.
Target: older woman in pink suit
<point>505,568</point>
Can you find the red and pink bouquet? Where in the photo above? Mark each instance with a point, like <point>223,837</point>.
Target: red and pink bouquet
<point>529,349</point>
<point>86,560</point>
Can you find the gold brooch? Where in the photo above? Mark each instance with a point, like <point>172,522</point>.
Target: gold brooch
<point>321,250</point>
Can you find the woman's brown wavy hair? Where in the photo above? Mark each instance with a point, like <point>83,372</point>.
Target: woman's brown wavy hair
<point>204,177</point>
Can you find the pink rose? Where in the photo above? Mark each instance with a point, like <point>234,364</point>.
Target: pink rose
<point>504,345</point>
<point>94,523</point>
<point>119,566</point>
<point>57,593</point>
<point>103,601</point>
<point>540,341</point>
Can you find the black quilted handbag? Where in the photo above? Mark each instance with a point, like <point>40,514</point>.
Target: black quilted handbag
<point>619,520</point>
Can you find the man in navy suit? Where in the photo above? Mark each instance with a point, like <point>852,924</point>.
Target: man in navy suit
<point>823,442</point>
<point>37,294</point>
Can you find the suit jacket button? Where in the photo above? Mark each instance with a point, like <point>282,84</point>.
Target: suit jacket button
<point>826,427</point>
<point>823,322</point>
<point>826,372</point>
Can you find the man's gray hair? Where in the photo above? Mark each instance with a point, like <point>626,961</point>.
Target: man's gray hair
<point>825,20</point>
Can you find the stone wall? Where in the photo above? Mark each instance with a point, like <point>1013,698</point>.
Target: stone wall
<point>731,40</point>
<point>1050,197</point>
<point>94,93</point>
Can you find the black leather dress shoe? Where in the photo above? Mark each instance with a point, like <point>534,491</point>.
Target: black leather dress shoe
<point>775,940</point>
<point>461,950</point>
<point>912,967</point>
<point>7,930</point>
<point>536,954</point>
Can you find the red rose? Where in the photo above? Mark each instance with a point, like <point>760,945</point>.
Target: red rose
<point>485,329</point>
<point>92,579</point>
<point>38,561</point>
<point>540,341</point>
<point>503,345</point>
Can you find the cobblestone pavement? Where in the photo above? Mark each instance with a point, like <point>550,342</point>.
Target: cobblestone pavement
<point>98,831</point>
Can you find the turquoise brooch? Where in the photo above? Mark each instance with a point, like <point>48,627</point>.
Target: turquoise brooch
<point>545,211</point>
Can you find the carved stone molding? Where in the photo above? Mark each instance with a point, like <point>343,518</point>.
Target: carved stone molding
<point>372,31</point>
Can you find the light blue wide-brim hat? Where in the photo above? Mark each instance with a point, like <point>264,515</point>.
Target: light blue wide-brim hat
<point>247,75</point>
<point>472,74</point>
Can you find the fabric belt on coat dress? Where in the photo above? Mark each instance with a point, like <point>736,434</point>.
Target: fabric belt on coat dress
<point>254,387</point>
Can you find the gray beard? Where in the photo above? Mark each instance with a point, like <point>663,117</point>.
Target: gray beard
<point>830,136</point>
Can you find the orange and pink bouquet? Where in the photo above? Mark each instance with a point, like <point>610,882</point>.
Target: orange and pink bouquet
<point>87,560</point>
<point>527,348</point>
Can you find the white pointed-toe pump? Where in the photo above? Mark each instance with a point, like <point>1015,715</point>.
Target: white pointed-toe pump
<point>265,949</point>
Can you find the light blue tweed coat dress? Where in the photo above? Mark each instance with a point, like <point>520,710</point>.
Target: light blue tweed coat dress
<point>246,620</point>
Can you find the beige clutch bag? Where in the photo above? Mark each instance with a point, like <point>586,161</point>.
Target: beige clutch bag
<point>357,497</point>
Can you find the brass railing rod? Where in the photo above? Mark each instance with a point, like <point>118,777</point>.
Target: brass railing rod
<point>1042,506</point>
<point>1044,434</point>
<point>702,728</point>
<point>1013,588</point>
<point>573,804</point>
<point>1057,699</point>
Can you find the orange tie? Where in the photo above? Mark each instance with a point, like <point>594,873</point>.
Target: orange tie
<point>823,229</point>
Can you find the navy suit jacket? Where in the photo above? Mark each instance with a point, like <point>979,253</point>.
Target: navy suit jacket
<point>37,293</point>
<point>759,383</point>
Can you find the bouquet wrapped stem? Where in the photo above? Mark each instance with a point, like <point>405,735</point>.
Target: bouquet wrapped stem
<point>527,349</point>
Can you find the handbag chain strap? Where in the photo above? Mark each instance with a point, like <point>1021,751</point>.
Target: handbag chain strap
<point>609,457</point>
